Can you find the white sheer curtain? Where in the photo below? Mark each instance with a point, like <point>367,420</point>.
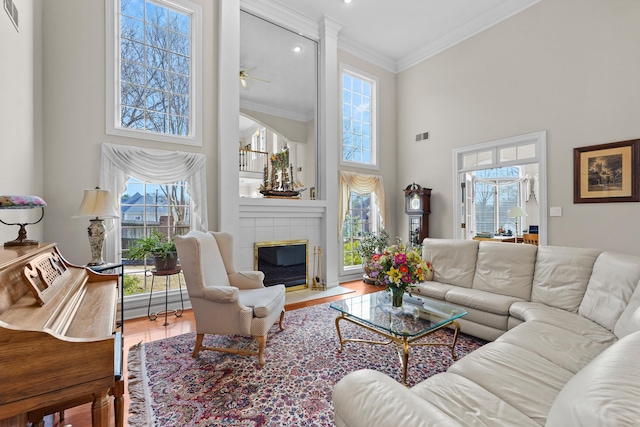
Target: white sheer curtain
<point>120,162</point>
<point>360,184</point>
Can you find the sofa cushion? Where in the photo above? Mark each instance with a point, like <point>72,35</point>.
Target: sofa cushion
<point>432,290</point>
<point>496,321</point>
<point>551,342</point>
<point>523,379</point>
<point>561,276</point>
<point>263,301</point>
<point>368,398</point>
<point>534,311</point>
<point>505,268</point>
<point>629,321</point>
<point>452,260</point>
<point>602,302</point>
<point>468,403</point>
<point>481,300</point>
<point>605,393</point>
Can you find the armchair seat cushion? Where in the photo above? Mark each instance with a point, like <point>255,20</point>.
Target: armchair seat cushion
<point>263,301</point>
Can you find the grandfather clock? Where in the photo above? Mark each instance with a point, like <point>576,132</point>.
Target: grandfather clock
<point>418,206</point>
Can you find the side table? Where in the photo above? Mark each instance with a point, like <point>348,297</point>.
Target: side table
<point>167,275</point>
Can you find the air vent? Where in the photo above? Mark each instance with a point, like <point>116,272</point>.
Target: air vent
<point>12,11</point>
<point>422,136</point>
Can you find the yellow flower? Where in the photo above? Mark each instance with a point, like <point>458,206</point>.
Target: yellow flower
<point>395,275</point>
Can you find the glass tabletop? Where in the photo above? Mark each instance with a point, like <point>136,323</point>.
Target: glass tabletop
<point>415,317</point>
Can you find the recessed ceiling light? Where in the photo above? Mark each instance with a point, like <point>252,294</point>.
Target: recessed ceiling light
<point>297,49</point>
<point>347,1</point>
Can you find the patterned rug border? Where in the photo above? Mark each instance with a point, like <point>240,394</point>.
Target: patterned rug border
<point>250,396</point>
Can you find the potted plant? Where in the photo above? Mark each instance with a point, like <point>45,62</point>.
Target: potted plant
<point>157,245</point>
<point>370,244</point>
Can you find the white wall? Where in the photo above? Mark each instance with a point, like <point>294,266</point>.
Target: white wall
<point>566,66</point>
<point>74,119</point>
<point>20,115</point>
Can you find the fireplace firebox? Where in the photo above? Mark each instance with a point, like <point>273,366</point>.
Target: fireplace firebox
<point>283,262</point>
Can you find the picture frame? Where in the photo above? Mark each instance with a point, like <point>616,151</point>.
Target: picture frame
<point>607,173</point>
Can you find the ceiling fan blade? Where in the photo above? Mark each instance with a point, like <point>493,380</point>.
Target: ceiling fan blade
<point>259,79</point>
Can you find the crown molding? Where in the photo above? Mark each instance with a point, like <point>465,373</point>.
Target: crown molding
<point>267,109</point>
<point>283,16</point>
<point>473,27</point>
<point>349,45</point>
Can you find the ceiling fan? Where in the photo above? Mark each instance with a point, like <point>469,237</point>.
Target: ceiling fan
<point>244,76</point>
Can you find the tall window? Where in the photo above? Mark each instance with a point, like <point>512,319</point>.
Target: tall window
<point>144,208</point>
<point>361,218</point>
<point>155,82</point>
<point>358,118</point>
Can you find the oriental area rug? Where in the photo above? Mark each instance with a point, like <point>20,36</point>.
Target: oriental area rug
<point>168,387</point>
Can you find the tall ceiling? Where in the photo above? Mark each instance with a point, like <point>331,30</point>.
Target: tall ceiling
<point>400,33</point>
<point>393,34</point>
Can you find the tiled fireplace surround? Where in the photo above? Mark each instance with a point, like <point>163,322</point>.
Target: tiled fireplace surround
<point>265,220</point>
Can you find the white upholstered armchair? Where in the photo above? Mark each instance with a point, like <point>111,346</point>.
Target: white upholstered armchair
<point>224,301</point>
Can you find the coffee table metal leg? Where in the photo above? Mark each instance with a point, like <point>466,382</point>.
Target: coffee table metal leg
<point>338,319</point>
<point>404,359</point>
<point>456,326</point>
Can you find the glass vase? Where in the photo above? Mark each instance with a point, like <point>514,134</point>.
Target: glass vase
<point>396,296</point>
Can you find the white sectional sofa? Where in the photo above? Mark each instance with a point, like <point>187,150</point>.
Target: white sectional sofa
<point>565,326</point>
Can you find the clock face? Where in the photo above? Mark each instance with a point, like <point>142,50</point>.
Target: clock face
<point>415,202</point>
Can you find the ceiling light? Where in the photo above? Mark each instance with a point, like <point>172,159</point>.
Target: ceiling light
<point>347,1</point>
<point>297,49</point>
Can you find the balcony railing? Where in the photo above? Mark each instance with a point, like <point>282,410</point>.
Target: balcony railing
<point>252,161</point>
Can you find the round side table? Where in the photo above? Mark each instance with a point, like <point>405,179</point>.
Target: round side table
<point>167,275</point>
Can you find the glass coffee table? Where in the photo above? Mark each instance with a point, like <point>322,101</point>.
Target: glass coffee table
<point>402,326</point>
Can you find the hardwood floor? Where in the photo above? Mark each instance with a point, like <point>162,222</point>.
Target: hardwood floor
<point>143,330</point>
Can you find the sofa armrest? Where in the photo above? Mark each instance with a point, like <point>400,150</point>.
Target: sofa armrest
<point>368,398</point>
<point>247,279</point>
<point>221,294</point>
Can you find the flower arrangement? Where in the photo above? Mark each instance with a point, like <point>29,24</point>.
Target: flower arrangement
<point>399,267</point>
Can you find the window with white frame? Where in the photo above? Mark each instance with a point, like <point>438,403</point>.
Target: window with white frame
<point>362,217</point>
<point>146,208</point>
<point>154,70</point>
<point>496,176</point>
<point>358,118</point>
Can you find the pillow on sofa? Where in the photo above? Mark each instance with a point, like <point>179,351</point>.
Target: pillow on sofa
<point>612,282</point>
<point>561,276</point>
<point>605,393</point>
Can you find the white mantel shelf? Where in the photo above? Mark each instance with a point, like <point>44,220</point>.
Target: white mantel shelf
<point>250,207</point>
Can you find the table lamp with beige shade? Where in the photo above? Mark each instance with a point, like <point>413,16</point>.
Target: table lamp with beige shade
<point>96,204</point>
<point>516,212</point>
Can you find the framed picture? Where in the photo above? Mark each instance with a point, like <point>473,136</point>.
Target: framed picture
<point>607,172</point>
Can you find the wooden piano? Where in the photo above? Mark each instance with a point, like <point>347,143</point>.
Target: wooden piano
<point>59,345</point>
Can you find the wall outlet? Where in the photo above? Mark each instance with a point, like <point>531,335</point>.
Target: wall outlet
<point>555,211</point>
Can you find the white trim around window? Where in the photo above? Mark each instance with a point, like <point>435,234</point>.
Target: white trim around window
<point>362,75</point>
<point>112,13</point>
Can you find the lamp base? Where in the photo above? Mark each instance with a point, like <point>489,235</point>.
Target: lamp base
<point>96,241</point>
<point>21,240</point>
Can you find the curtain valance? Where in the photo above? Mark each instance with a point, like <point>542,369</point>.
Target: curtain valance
<point>120,162</point>
<point>360,184</point>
